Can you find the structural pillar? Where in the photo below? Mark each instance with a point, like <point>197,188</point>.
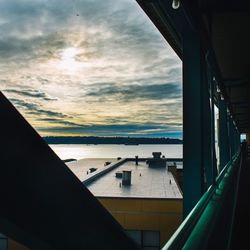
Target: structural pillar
<point>193,175</point>
<point>238,140</point>
<point>207,139</point>
<point>231,137</point>
<point>248,138</point>
<point>214,158</point>
<point>223,136</point>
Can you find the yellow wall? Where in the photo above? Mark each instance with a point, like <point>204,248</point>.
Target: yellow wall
<point>163,215</point>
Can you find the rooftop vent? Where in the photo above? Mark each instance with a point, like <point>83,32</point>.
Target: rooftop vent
<point>156,161</point>
<point>157,155</point>
<point>118,174</point>
<point>126,178</point>
<point>92,170</point>
<point>136,160</point>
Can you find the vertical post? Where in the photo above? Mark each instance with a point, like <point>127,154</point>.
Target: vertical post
<point>192,122</point>
<point>235,140</point>
<point>207,139</point>
<point>248,138</point>
<point>223,137</point>
<point>136,160</point>
<point>234,137</point>
<point>231,137</point>
<point>214,164</point>
<point>238,139</point>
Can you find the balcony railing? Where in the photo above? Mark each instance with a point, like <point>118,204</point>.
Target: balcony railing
<point>209,224</point>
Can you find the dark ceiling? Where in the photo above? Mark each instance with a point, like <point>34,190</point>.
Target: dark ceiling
<point>230,33</point>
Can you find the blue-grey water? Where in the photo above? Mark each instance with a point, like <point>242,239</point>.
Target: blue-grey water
<point>80,151</point>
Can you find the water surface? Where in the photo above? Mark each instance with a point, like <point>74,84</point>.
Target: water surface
<point>79,151</point>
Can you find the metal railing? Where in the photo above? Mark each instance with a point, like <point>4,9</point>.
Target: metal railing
<point>214,212</point>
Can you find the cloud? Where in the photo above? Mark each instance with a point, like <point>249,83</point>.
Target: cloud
<point>127,75</point>
<point>35,109</point>
<point>133,92</point>
<point>60,121</point>
<point>111,130</point>
<point>32,93</point>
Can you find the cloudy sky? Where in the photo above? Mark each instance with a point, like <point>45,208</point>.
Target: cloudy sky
<point>89,67</point>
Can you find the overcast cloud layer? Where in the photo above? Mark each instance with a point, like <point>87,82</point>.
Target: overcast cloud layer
<point>89,67</point>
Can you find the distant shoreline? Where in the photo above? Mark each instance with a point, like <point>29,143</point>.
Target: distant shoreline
<point>109,140</point>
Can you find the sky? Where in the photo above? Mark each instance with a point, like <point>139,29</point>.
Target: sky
<point>89,67</point>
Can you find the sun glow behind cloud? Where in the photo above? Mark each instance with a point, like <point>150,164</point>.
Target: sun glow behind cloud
<point>68,61</point>
<point>79,67</point>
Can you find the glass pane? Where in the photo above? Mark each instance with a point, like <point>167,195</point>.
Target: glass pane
<point>135,235</point>
<point>3,244</point>
<point>151,238</point>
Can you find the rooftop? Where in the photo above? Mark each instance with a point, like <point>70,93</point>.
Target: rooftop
<point>145,183</point>
<point>80,167</point>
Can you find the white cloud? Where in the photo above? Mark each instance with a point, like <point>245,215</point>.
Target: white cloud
<point>118,53</point>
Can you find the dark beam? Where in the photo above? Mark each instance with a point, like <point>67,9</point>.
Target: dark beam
<point>193,168</point>
<point>43,204</point>
<point>162,15</point>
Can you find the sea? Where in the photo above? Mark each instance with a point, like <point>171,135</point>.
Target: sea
<point>81,151</point>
